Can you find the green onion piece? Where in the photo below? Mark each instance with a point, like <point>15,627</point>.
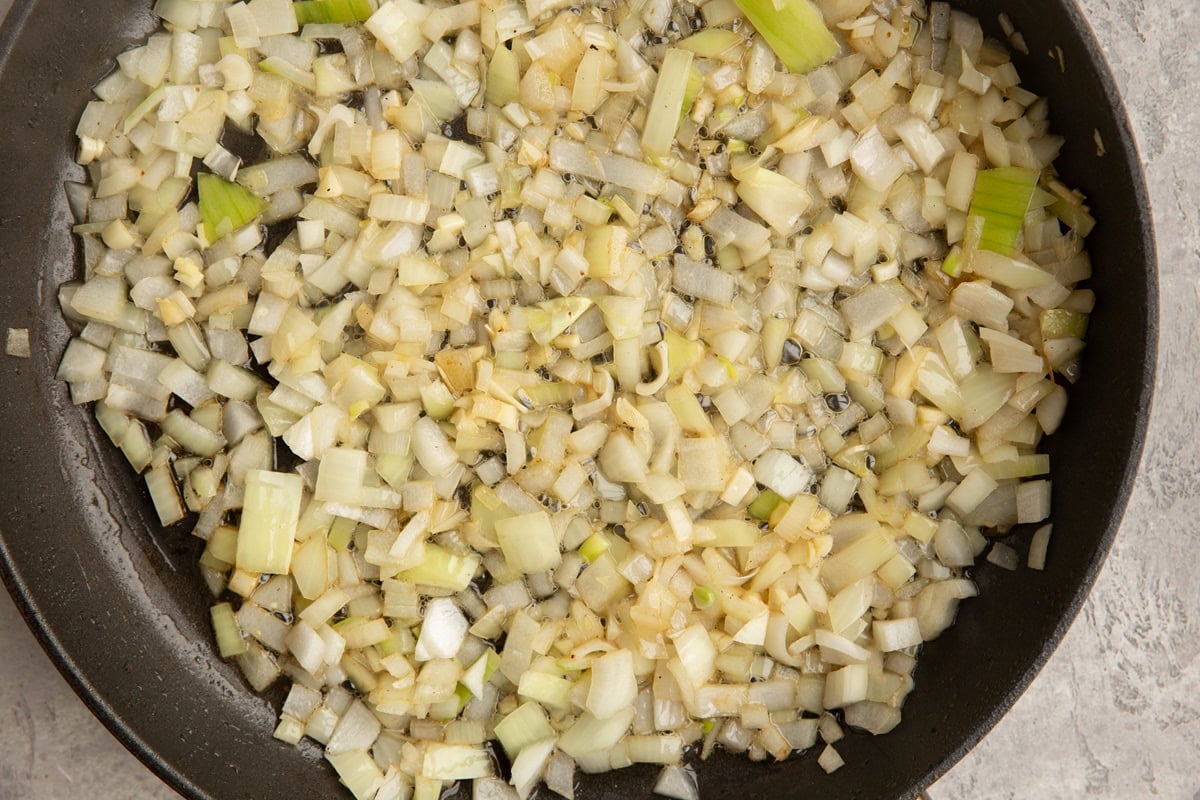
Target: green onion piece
<point>1002,198</point>
<point>764,504</point>
<point>549,690</point>
<point>794,29</point>
<point>662,120</point>
<point>318,11</point>
<point>953,265</point>
<point>704,597</point>
<point>480,672</point>
<point>215,564</point>
<point>503,77</point>
<point>230,642</point>
<point>707,726</point>
<point>711,42</point>
<point>695,83</point>
<point>392,644</point>
<point>437,400</point>
<point>549,393</point>
<point>523,727</point>
<point>443,569</point>
<point>593,547</point>
<point>225,206</point>
<point>1061,323</point>
<point>340,533</point>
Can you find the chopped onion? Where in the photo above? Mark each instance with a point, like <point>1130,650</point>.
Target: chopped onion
<point>617,421</point>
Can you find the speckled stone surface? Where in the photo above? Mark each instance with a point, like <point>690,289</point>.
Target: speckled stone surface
<point>1116,713</point>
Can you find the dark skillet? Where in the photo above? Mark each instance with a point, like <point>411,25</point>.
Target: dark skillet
<point>119,604</point>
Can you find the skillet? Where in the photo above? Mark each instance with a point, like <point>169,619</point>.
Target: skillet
<point>119,605</point>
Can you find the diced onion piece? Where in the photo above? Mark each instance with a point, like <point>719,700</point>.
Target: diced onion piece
<point>447,762</point>
<point>230,642</point>
<point>443,632</point>
<point>358,772</point>
<point>663,118</point>
<point>591,735</point>
<point>846,685</point>
<point>529,766</point>
<point>528,542</point>
<point>269,515</point>
<point>677,783</point>
<point>1038,546</point>
<point>614,685</point>
<point>896,634</point>
<point>164,495</point>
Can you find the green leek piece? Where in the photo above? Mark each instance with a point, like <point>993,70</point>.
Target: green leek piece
<point>270,512</point>
<point>662,119</point>
<point>463,695</point>
<point>391,645</point>
<point>953,265</point>
<point>437,400</point>
<point>593,547</point>
<point>215,564</point>
<point>230,642</point>
<point>550,393</point>
<point>479,673</point>
<point>794,29</point>
<point>443,569</point>
<point>503,77</point>
<point>549,690</point>
<point>726,533</point>
<point>225,206</point>
<point>764,504</point>
<point>704,597</point>
<point>341,532</point>
<point>1061,323</point>
<point>711,42</point>
<point>1002,198</point>
<point>317,11</point>
<point>523,727</point>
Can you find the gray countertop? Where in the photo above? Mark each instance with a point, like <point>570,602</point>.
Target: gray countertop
<point>1116,712</point>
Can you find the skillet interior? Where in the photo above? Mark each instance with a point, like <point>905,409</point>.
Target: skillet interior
<point>120,606</point>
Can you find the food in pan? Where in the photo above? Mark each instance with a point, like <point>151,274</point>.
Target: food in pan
<point>559,387</point>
